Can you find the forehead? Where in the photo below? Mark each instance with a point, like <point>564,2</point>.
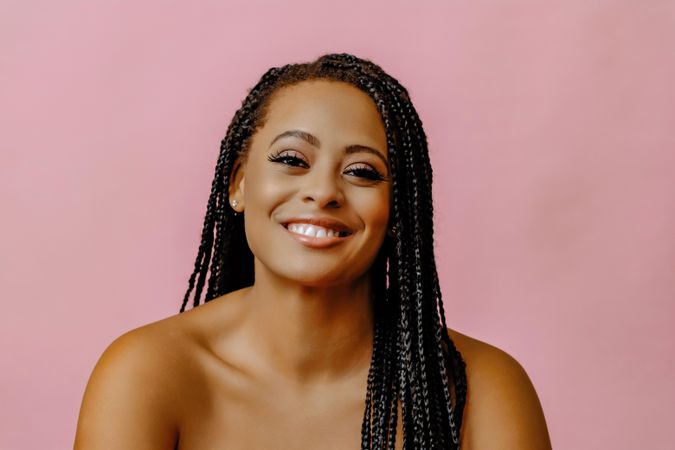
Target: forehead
<point>325,107</point>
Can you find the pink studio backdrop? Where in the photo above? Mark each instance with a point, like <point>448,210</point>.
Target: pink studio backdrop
<point>551,131</point>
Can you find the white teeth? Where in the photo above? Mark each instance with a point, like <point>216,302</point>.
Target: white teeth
<point>312,230</point>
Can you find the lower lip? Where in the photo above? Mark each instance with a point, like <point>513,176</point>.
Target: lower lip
<point>317,242</point>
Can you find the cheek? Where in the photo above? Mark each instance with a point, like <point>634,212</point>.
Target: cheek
<point>375,211</point>
<point>264,190</point>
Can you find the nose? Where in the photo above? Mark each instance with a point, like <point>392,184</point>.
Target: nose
<point>323,187</point>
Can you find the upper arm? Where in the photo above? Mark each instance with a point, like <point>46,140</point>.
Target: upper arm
<point>127,402</point>
<point>502,409</point>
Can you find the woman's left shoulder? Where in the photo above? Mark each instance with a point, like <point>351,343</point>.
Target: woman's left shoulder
<point>502,408</point>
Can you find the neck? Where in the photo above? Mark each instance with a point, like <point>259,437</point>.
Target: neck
<point>310,334</point>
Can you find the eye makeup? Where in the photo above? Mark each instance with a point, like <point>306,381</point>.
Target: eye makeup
<point>293,158</point>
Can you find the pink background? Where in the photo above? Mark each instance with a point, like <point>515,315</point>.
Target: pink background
<point>551,126</point>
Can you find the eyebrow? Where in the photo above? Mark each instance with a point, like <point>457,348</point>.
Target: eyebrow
<point>314,141</point>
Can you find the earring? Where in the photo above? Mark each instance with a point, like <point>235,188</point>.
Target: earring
<point>392,231</point>
<point>234,206</point>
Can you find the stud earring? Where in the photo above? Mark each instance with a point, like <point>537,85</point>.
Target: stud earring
<point>234,207</point>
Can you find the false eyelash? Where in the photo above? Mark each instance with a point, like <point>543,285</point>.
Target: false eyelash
<point>362,171</point>
<point>365,172</point>
<point>289,160</point>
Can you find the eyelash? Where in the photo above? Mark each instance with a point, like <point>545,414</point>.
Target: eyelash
<point>361,171</point>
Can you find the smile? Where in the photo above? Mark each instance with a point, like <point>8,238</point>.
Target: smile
<point>315,231</point>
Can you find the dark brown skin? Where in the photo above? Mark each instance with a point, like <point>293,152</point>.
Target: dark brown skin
<point>284,363</point>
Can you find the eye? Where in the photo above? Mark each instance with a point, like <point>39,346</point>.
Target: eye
<point>289,158</point>
<point>365,171</point>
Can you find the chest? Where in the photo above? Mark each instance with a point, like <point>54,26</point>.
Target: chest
<point>228,410</point>
<point>298,430</point>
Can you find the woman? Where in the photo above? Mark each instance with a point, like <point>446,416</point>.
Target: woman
<point>323,323</point>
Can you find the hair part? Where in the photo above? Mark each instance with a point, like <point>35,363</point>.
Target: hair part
<point>414,360</point>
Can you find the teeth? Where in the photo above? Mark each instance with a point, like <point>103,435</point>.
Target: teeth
<point>312,230</point>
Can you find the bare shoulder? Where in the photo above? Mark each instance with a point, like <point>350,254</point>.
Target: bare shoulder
<point>131,399</point>
<point>503,409</point>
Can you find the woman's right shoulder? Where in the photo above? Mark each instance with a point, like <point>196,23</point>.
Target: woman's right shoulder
<point>133,391</point>
<point>137,389</point>
<point>174,338</point>
<point>153,345</point>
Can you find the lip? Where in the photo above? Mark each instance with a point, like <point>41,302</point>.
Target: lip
<point>325,222</point>
<point>322,221</point>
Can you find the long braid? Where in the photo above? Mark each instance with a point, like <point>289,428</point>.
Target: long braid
<point>418,312</point>
<point>414,361</point>
<point>417,134</point>
<point>425,222</point>
<point>440,333</point>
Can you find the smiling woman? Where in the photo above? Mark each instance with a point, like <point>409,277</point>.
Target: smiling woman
<point>323,323</point>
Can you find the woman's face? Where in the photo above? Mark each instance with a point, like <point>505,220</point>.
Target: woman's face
<point>315,186</point>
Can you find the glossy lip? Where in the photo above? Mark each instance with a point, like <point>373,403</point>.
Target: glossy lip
<point>322,221</point>
<point>325,222</point>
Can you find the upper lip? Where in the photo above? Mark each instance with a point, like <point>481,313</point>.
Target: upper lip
<point>322,221</point>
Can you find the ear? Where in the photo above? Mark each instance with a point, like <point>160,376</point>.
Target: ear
<point>237,182</point>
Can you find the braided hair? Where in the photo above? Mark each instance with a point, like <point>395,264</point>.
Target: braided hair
<point>414,361</point>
